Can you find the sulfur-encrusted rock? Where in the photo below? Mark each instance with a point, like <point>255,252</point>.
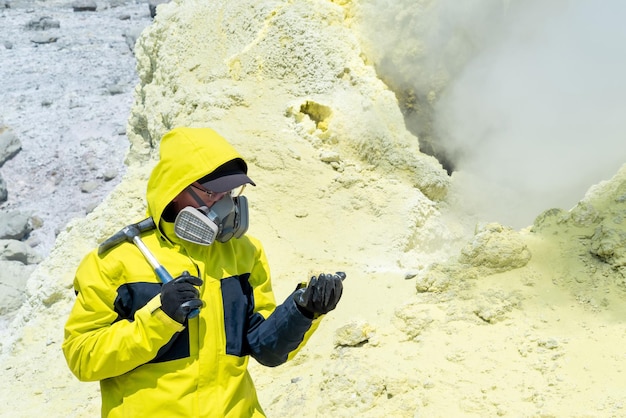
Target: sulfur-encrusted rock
<point>496,247</point>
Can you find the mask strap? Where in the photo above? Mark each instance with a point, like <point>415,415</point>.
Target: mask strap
<point>195,196</point>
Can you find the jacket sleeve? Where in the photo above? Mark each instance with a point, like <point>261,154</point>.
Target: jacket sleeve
<point>97,344</point>
<point>279,337</point>
<point>275,333</point>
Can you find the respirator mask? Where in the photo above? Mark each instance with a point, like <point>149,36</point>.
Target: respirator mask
<point>225,219</point>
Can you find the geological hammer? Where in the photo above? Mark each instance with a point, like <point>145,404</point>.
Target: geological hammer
<point>131,233</point>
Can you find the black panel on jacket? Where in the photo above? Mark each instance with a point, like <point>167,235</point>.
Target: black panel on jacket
<point>238,308</point>
<point>133,296</point>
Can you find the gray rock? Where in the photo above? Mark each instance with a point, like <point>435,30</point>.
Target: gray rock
<point>114,89</point>
<point>14,225</point>
<point>13,278</point>
<point>10,145</point>
<point>36,222</point>
<point>8,45</point>
<point>4,194</point>
<point>43,23</point>
<point>44,39</point>
<point>109,174</point>
<point>152,5</point>
<point>121,130</point>
<point>84,6</point>
<point>91,206</point>
<point>89,186</point>
<point>131,36</point>
<point>14,250</point>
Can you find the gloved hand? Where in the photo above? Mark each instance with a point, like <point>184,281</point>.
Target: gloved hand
<point>321,295</point>
<point>179,297</point>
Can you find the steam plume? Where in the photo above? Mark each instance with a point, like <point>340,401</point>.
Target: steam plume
<point>533,110</point>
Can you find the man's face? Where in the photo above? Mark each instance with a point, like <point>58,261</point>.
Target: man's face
<point>206,197</point>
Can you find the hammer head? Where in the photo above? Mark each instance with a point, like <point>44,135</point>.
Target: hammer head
<point>126,234</point>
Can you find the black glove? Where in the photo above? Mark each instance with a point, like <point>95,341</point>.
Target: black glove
<point>321,295</point>
<point>179,297</point>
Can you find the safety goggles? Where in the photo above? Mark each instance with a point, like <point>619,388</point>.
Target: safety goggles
<point>215,196</point>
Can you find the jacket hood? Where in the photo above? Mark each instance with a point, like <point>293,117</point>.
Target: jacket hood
<point>186,155</point>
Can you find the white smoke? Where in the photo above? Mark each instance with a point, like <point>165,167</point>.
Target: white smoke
<point>539,115</point>
<point>533,109</point>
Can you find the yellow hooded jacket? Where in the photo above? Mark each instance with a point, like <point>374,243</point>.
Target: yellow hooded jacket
<point>148,364</point>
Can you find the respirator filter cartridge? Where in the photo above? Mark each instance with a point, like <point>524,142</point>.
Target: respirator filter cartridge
<point>194,226</point>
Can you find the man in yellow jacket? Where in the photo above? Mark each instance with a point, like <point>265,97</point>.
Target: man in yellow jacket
<point>181,348</point>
